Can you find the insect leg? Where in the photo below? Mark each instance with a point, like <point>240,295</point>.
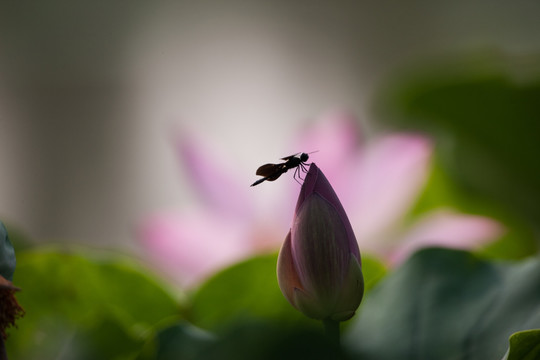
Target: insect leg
<point>304,170</point>
<point>297,174</point>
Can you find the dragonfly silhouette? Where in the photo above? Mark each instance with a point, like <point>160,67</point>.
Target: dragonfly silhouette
<point>271,172</point>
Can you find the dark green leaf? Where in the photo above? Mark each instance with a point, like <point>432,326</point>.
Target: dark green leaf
<point>269,341</point>
<point>179,341</point>
<point>447,304</point>
<point>246,340</point>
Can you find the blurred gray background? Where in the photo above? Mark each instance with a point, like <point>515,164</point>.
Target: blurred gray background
<point>90,91</point>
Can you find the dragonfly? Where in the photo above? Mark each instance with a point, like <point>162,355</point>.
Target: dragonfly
<point>271,172</point>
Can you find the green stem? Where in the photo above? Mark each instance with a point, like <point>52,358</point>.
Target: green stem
<point>331,329</point>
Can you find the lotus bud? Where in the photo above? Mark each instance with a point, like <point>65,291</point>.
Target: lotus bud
<point>319,267</point>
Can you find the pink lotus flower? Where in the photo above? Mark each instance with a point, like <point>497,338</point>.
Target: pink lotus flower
<point>377,180</point>
<point>318,268</point>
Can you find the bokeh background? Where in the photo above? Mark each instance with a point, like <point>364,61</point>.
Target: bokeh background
<point>90,91</point>
<point>116,115</point>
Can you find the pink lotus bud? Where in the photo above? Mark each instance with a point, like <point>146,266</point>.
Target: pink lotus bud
<point>318,268</point>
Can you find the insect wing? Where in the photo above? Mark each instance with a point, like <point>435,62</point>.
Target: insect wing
<point>266,170</point>
<point>287,158</point>
<point>274,176</point>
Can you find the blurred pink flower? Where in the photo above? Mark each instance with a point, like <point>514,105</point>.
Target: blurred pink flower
<point>377,180</point>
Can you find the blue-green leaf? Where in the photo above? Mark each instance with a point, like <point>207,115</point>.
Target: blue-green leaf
<point>447,304</point>
<point>7,255</point>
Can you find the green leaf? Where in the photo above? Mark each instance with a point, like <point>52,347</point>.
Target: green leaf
<point>518,240</point>
<point>486,128</point>
<point>7,255</point>
<point>83,305</point>
<point>249,290</point>
<point>447,304</point>
<point>524,345</point>
<point>373,270</point>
